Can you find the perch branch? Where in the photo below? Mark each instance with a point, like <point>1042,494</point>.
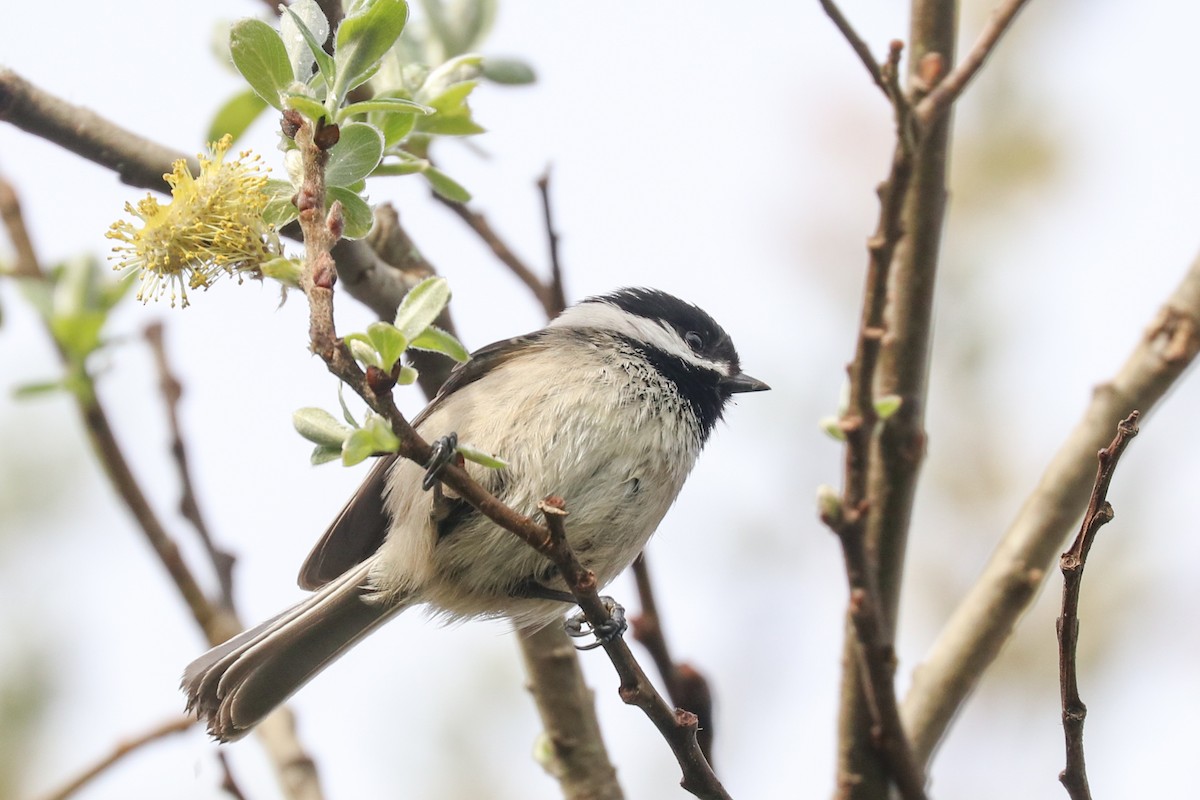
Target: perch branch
<point>317,282</point>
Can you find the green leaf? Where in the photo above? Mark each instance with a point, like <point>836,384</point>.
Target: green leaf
<point>389,104</point>
<point>407,376</point>
<point>888,405</point>
<point>313,18</point>
<point>357,152</point>
<point>436,340</point>
<point>42,387</point>
<point>453,117</point>
<point>346,415</point>
<point>446,186</point>
<point>363,350</point>
<point>325,65</point>
<point>236,115</point>
<point>364,36</point>
<point>403,167</point>
<point>355,211</point>
<point>374,437</point>
<point>472,453</point>
<point>323,455</point>
<point>389,342</point>
<point>260,56</point>
<point>313,109</point>
<point>449,125</point>
<point>833,428</point>
<point>285,270</point>
<point>320,427</point>
<point>508,71</point>
<point>395,127</point>
<point>79,333</point>
<point>421,306</point>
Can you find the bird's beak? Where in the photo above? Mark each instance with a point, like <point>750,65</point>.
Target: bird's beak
<point>742,383</point>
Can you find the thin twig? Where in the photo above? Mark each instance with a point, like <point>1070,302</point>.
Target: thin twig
<point>479,223</point>
<point>856,43</point>
<point>871,646</point>
<point>555,292</point>
<point>984,620</point>
<point>686,686</point>
<point>948,90</point>
<point>1072,562</point>
<point>678,728</point>
<point>172,392</point>
<point>229,784</point>
<point>119,753</point>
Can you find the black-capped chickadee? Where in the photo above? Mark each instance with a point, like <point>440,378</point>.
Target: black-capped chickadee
<point>607,406</point>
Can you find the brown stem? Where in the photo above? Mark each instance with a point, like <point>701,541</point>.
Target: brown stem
<point>949,89</point>
<point>555,292</point>
<point>172,392</point>
<point>870,721</point>
<point>118,754</point>
<point>856,43</point>
<point>545,293</point>
<point>686,686</point>
<point>1072,562</point>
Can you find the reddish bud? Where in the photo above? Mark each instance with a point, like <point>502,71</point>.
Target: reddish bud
<point>324,272</point>
<point>326,136</point>
<point>379,381</point>
<point>291,122</point>
<point>336,220</point>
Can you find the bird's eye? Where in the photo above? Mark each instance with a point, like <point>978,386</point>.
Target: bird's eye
<point>694,341</point>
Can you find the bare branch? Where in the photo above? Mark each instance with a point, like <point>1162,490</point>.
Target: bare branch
<point>1072,562</point>
<point>856,43</point>
<point>136,160</point>
<point>118,753</point>
<point>555,292</point>
<point>985,618</point>
<point>477,222</point>
<point>947,91</point>
<point>172,392</point>
<point>686,686</point>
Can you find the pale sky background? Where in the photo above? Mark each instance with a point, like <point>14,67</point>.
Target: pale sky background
<point>727,153</point>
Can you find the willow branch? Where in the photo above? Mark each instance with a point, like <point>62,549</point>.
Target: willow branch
<point>555,291</point>
<point>118,754</point>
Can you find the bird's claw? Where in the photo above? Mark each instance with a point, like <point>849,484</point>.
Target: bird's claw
<point>443,452</point>
<point>577,625</point>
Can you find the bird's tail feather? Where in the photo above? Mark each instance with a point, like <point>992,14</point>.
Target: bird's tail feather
<point>237,683</point>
